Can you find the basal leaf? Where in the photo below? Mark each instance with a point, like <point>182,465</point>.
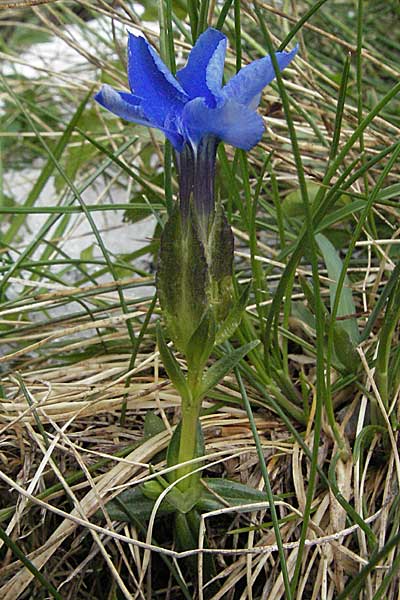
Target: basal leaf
<point>232,492</point>
<point>346,304</point>
<point>133,503</point>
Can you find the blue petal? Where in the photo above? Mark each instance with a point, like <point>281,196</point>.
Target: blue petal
<point>202,75</point>
<point>122,104</point>
<point>232,123</point>
<point>250,81</point>
<point>150,79</point>
<point>128,107</point>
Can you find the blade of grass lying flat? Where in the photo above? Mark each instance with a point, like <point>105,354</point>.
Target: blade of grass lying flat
<point>28,398</point>
<point>391,191</point>
<point>77,476</point>
<point>62,210</point>
<point>76,315</point>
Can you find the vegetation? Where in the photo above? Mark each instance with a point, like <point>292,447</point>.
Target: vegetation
<point>308,419</point>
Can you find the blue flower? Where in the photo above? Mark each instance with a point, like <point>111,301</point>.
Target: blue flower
<point>194,105</point>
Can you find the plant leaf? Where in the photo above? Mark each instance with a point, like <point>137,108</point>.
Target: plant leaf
<point>152,425</point>
<point>345,349</point>
<point>234,494</point>
<point>133,502</point>
<point>201,343</point>
<point>171,365</point>
<point>232,321</point>
<point>225,364</point>
<point>346,304</point>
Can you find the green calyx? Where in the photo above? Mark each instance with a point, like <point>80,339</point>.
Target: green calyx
<point>194,280</point>
<point>182,278</point>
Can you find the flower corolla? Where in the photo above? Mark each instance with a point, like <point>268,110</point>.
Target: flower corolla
<point>194,104</point>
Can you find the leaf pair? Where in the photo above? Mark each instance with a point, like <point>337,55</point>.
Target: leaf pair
<point>216,493</point>
<point>211,377</point>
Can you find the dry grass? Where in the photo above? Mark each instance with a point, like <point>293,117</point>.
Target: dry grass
<point>79,407</point>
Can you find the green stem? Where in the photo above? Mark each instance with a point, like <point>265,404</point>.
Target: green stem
<point>188,441</point>
<point>191,406</point>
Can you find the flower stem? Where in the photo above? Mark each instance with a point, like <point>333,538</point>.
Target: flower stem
<point>189,425</point>
<point>188,442</point>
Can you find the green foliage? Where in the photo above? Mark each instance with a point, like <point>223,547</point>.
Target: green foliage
<point>224,492</point>
<point>345,348</point>
<point>228,327</point>
<point>201,343</point>
<point>224,365</point>
<point>137,503</point>
<point>152,424</point>
<point>171,365</point>
<point>131,505</point>
<point>346,307</point>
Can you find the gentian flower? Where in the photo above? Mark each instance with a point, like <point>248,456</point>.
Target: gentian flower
<point>194,110</point>
<point>194,105</point>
